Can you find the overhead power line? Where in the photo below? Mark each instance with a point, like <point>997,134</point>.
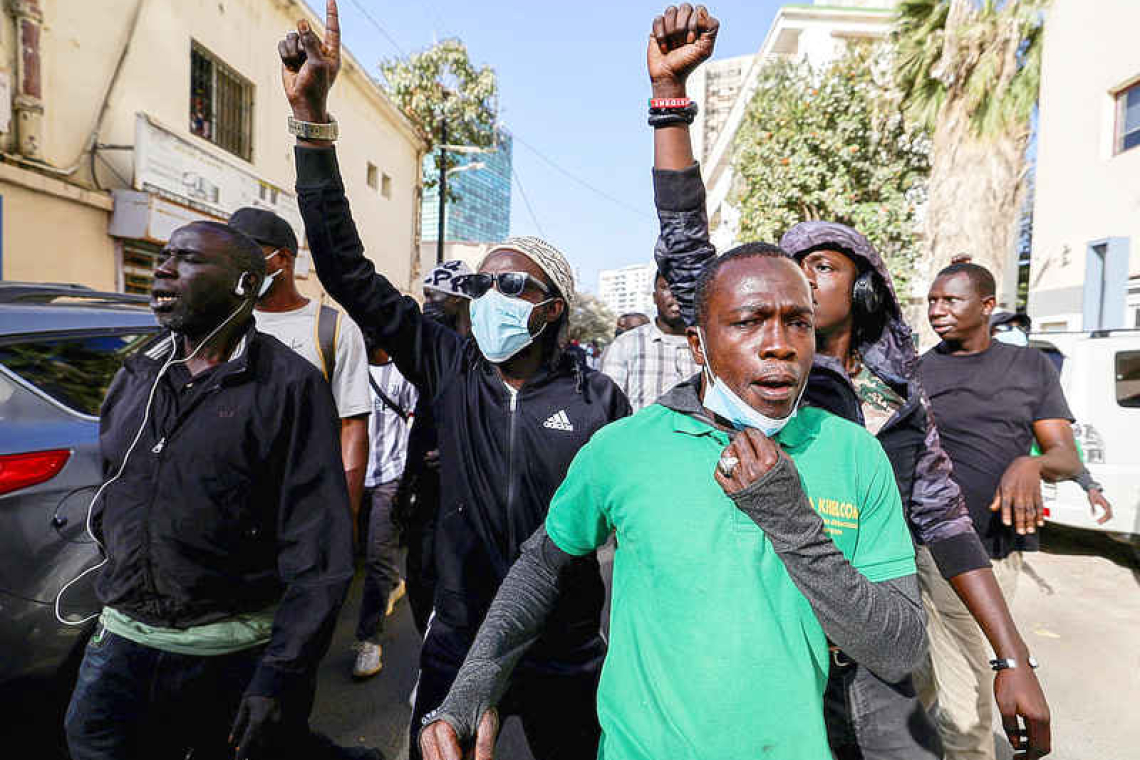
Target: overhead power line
<point>526,200</point>
<point>580,181</point>
<point>380,28</point>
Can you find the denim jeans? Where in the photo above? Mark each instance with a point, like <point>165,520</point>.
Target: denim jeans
<point>382,563</point>
<point>870,719</point>
<point>133,701</point>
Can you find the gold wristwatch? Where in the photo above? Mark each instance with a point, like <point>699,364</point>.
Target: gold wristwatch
<point>308,130</point>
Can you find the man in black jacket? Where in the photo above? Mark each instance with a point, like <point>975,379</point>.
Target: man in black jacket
<point>866,369</point>
<point>512,410</point>
<point>225,524</point>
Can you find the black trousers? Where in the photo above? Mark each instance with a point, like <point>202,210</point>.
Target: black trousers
<point>870,719</point>
<point>559,713</point>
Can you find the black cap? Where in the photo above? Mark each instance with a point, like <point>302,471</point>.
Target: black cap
<point>1009,317</point>
<point>265,227</point>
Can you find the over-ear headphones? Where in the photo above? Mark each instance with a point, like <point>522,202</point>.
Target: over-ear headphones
<point>865,297</point>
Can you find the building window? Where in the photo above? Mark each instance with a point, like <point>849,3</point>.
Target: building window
<point>1128,118</point>
<point>221,103</point>
<point>373,176</point>
<point>1128,378</point>
<point>386,186</point>
<point>140,259</point>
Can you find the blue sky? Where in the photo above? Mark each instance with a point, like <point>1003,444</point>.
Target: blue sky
<point>573,87</point>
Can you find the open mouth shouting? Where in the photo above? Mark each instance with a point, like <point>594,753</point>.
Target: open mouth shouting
<point>775,386</point>
<point>162,300</point>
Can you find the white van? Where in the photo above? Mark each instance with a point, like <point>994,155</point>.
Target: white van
<point>1100,374</point>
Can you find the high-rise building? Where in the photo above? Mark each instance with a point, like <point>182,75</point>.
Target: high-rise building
<point>715,86</point>
<point>482,213</point>
<point>628,289</point>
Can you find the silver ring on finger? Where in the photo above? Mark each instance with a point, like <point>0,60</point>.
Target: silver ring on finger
<point>726,465</point>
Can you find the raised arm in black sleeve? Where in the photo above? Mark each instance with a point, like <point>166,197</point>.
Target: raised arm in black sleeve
<point>683,246</point>
<point>424,351</point>
<point>314,539</point>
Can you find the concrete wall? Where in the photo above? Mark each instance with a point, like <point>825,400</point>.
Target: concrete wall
<point>81,44</point>
<point>55,236</point>
<point>1084,191</point>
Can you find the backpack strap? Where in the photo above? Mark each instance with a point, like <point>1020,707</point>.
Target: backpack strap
<point>328,330</point>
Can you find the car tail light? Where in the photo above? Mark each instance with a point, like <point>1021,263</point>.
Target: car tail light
<point>22,470</point>
<point>1090,441</point>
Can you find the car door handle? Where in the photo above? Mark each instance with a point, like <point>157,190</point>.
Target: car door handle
<point>58,521</point>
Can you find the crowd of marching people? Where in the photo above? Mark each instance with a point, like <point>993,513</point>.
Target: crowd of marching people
<point>817,532</point>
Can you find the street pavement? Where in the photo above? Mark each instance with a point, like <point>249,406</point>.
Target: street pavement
<point>1078,608</point>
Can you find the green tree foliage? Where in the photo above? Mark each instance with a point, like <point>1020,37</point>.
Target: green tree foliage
<point>981,56</point>
<point>830,144</point>
<point>440,85</point>
<point>590,319</point>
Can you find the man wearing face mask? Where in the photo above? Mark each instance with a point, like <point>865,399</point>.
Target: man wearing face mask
<point>443,300</point>
<point>749,531</point>
<point>313,330</point>
<point>512,411</point>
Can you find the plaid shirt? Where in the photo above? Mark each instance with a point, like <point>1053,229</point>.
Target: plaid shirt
<point>646,363</point>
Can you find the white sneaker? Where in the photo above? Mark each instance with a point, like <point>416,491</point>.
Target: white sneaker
<point>367,659</point>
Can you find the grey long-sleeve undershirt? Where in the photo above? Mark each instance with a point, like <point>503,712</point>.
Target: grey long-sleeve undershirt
<point>879,625</point>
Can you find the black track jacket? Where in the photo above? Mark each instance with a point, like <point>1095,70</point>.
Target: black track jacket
<point>233,500</point>
<point>500,461</point>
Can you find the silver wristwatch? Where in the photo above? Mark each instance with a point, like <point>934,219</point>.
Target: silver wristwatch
<point>309,130</point>
<point>1009,663</point>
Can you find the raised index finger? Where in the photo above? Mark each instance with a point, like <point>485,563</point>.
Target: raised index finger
<point>332,28</point>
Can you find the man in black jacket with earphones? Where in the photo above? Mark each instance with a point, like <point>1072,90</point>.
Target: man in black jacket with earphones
<point>225,524</point>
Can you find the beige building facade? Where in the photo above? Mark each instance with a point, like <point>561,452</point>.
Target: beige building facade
<point>1085,264</point>
<point>123,119</point>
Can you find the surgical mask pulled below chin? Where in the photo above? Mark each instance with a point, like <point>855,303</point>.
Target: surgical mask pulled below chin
<point>499,324</point>
<point>723,401</point>
<point>1013,337</point>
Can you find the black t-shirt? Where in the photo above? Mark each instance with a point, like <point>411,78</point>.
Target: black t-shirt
<point>985,405</point>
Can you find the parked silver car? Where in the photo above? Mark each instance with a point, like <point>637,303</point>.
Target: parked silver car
<point>60,346</point>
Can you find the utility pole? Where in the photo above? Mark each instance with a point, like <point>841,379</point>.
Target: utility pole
<point>442,188</point>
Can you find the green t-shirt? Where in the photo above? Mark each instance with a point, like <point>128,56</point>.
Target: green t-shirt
<point>714,653</point>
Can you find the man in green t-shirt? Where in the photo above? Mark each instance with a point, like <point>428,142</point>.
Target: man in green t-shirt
<point>749,535</point>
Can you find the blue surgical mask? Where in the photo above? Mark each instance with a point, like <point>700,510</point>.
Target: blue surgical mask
<point>723,401</point>
<point>1014,337</point>
<point>267,283</point>
<point>499,324</point>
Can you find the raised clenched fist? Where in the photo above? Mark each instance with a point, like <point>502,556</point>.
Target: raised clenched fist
<point>682,38</point>
<point>309,66</point>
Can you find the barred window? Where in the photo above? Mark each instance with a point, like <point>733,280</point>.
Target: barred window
<point>221,103</point>
<point>139,261</point>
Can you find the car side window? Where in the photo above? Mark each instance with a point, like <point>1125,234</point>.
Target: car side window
<point>75,370</point>
<point>1128,378</point>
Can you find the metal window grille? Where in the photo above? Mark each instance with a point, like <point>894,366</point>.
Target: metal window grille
<point>221,103</point>
<point>140,259</point>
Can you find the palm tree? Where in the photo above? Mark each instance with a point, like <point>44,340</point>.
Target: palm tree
<point>969,71</point>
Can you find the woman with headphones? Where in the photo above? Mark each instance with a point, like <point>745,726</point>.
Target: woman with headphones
<point>866,370</point>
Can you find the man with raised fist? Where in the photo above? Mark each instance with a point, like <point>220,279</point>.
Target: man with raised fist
<point>512,410</point>
<point>749,532</point>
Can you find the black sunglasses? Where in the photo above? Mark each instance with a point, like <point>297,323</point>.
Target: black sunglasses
<point>508,283</point>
